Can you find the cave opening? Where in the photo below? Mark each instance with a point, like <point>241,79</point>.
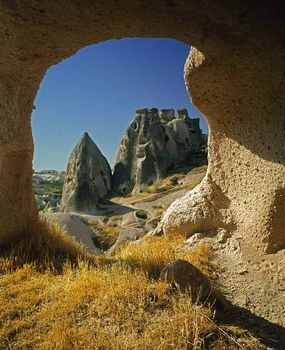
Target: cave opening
<point>96,91</point>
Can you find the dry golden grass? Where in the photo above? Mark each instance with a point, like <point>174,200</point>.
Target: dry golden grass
<point>106,235</point>
<point>154,253</point>
<point>92,304</point>
<point>46,249</point>
<point>93,308</point>
<point>165,186</point>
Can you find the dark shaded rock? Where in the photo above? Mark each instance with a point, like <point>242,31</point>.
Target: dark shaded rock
<point>88,178</point>
<point>166,115</point>
<point>121,181</point>
<point>187,277</point>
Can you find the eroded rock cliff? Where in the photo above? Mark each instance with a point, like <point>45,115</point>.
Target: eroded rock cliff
<point>155,144</point>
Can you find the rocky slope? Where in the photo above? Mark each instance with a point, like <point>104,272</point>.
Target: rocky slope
<point>154,145</point>
<point>124,219</point>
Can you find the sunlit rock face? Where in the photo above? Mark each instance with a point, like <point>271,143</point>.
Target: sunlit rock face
<point>88,178</point>
<point>187,134</point>
<point>244,189</point>
<point>235,77</point>
<point>166,115</point>
<point>154,145</point>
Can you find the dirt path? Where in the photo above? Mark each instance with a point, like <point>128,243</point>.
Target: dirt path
<point>164,201</point>
<point>255,285</point>
<point>254,281</point>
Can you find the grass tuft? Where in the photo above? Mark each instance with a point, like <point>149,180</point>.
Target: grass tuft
<point>154,253</point>
<point>47,248</point>
<point>106,235</point>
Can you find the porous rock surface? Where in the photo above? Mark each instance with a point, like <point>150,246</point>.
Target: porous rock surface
<point>87,180</point>
<point>155,144</point>
<point>242,156</point>
<point>234,74</point>
<point>232,78</point>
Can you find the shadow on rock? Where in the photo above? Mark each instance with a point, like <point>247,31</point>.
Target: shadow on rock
<point>184,277</point>
<point>109,209</point>
<point>270,334</point>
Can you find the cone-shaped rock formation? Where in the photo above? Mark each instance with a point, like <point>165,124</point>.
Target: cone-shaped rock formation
<point>88,178</point>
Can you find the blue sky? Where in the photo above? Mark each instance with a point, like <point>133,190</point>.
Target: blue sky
<point>98,90</point>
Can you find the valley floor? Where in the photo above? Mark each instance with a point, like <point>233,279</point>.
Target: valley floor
<point>54,295</point>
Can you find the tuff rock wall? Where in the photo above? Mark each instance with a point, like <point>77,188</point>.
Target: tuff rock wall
<point>234,75</point>
<point>154,145</point>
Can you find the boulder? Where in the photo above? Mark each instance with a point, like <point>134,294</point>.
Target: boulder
<point>185,276</point>
<point>134,217</point>
<point>75,228</point>
<point>87,180</point>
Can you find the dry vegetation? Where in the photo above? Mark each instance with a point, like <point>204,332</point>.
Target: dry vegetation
<point>154,253</point>
<point>47,249</point>
<point>165,184</point>
<point>168,185</point>
<point>106,235</point>
<point>53,296</point>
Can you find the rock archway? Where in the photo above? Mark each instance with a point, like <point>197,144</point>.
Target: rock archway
<point>234,77</point>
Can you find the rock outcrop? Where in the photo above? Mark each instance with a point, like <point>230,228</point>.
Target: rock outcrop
<point>153,145</point>
<point>188,135</point>
<point>75,228</point>
<point>233,195</point>
<point>187,278</point>
<point>87,180</point>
